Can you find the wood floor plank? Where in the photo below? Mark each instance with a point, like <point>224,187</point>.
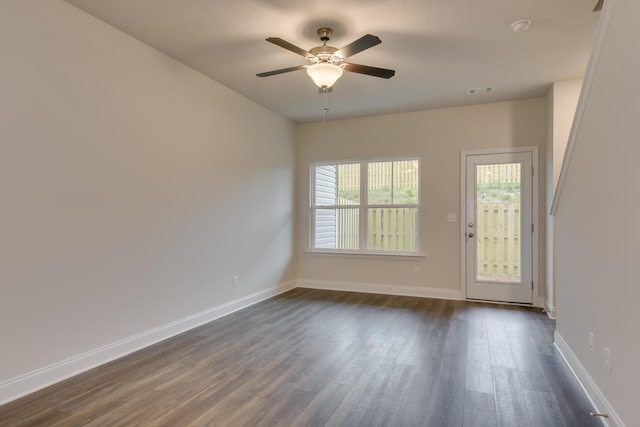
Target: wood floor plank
<point>40,401</point>
<point>511,407</point>
<point>383,413</point>
<point>313,357</point>
<point>286,409</point>
<point>499,345</point>
<point>241,412</point>
<point>346,415</point>
<point>43,418</point>
<point>397,383</point>
<point>479,410</point>
<point>565,391</point>
<point>322,406</point>
<point>369,383</point>
<point>446,406</point>
<point>528,365</point>
<point>478,375</point>
<point>544,410</point>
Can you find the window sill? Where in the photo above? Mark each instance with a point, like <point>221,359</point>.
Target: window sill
<point>367,254</point>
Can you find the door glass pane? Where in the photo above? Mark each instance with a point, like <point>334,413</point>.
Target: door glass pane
<point>498,222</point>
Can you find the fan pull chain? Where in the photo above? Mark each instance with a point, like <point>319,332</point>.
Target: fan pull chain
<point>325,109</point>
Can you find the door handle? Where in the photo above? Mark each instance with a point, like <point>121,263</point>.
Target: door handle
<point>469,234</point>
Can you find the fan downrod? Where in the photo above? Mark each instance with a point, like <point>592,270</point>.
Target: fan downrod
<point>325,34</point>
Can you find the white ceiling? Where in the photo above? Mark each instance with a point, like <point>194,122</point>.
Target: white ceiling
<point>439,48</point>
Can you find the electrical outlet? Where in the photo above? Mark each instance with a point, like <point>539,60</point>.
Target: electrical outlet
<point>416,271</point>
<point>592,339</point>
<point>607,360</point>
<point>235,281</point>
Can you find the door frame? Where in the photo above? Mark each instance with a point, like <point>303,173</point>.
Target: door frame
<point>535,217</point>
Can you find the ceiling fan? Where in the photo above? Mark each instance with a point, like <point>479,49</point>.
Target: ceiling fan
<point>326,63</point>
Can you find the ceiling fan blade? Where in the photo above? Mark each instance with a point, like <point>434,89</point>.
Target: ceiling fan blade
<point>371,71</point>
<point>286,45</point>
<point>280,71</point>
<point>599,5</point>
<point>363,43</point>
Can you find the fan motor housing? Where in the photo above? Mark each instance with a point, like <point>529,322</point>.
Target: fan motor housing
<point>323,50</point>
<point>324,53</point>
<point>325,33</point>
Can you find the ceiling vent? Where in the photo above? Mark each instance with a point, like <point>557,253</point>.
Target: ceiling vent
<point>479,90</point>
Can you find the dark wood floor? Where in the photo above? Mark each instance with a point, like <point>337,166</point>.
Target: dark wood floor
<point>311,357</point>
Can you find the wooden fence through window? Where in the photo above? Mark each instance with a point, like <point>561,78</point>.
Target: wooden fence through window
<point>497,232</point>
<point>498,241</point>
<point>391,229</point>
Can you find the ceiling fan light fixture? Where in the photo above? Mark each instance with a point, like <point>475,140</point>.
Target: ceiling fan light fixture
<point>324,74</point>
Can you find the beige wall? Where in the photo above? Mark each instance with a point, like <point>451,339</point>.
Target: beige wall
<point>133,188</point>
<point>597,237</point>
<point>437,137</point>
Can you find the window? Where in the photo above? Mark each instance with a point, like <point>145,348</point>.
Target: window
<point>365,207</point>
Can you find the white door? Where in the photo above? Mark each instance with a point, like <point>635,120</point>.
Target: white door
<point>499,226</point>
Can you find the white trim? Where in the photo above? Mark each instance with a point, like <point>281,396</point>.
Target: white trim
<point>551,309</point>
<point>30,382</point>
<point>376,288</point>
<point>373,255</point>
<point>595,396</point>
<point>515,304</point>
<point>535,220</point>
<point>592,66</point>
<point>463,226</point>
<point>536,300</point>
<point>498,150</point>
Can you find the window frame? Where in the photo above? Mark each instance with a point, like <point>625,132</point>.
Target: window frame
<point>363,208</point>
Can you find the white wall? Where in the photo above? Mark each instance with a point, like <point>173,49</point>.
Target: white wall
<point>565,96</point>
<point>597,237</point>
<point>437,137</point>
<point>133,188</point>
<point>562,102</point>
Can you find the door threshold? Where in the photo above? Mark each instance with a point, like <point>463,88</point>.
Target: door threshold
<point>519,304</point>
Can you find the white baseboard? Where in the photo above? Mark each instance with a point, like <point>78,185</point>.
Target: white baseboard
<point>598,401</point>
<point>41,378</point>
<point>371,288</point>
<point>551,310</point>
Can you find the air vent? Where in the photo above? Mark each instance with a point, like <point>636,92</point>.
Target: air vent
<point>479,90</point>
